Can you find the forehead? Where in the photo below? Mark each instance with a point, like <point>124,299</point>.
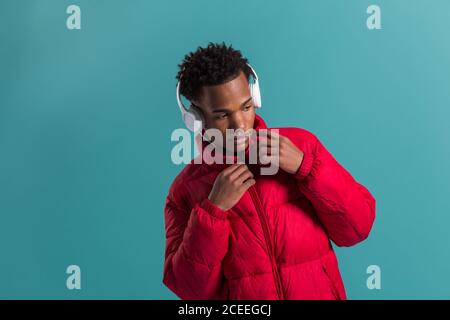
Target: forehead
<point>227,95</point>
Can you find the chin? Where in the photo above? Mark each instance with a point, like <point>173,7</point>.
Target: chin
<point>238,148</point>
<point>241,147</point>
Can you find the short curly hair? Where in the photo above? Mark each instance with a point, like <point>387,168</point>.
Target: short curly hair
<point>213,65</point>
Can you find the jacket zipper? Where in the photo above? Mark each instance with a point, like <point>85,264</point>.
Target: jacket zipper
<point>269,244</point>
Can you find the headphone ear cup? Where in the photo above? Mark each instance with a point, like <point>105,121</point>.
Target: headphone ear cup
<point>189,120</point>
<point>256,95</point>
<point>193,119</point>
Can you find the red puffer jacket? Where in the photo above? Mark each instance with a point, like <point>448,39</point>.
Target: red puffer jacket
<point>275,242</point>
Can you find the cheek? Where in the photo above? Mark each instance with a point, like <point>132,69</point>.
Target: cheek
<point>250,118</point>
<point>220,125</point>
<point>217,124</point>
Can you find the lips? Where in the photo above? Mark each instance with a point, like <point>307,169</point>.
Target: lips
<point>242,137</point>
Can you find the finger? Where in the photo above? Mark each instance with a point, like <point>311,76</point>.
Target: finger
<point>269,150</point>
<point>264,141</point>
<point>244,176</point>
<point>236,173</point>
<point>269,145</point>
<point>262,133</point>
<point>266,159</point>
<point>269,141</point>
<point>274,134</point>
<point>231,168</point>
<point>247,184</point>
<point>267,132</point>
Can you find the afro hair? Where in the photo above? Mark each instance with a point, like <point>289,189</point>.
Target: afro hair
<point>213,65</point>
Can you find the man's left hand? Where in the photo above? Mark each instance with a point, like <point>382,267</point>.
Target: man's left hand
<point>272,144</point>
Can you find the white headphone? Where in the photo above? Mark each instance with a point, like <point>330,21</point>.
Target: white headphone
<point>193,118</point>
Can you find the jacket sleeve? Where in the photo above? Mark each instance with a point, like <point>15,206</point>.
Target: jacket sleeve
<point>345,207</point>
<point>196,243</point>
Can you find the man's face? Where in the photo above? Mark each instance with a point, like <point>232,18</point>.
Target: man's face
<point>228,106</point>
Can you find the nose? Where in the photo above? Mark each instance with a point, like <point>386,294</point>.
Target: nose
<point>237,122</point>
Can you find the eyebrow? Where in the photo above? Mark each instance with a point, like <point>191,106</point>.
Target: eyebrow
<point>224,109</point>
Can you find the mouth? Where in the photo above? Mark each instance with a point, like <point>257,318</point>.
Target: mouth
<point>243,136</point>
<point>240,139</point>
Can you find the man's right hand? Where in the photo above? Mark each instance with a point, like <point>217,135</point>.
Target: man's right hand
<point>230,185</point>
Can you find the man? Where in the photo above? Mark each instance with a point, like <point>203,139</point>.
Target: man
<point>233,233</point>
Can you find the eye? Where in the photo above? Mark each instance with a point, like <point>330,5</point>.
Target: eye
<point>222,116</point>
<point>248,107</point>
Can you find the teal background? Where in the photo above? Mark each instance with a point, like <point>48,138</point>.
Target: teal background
<point>86,117</point>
